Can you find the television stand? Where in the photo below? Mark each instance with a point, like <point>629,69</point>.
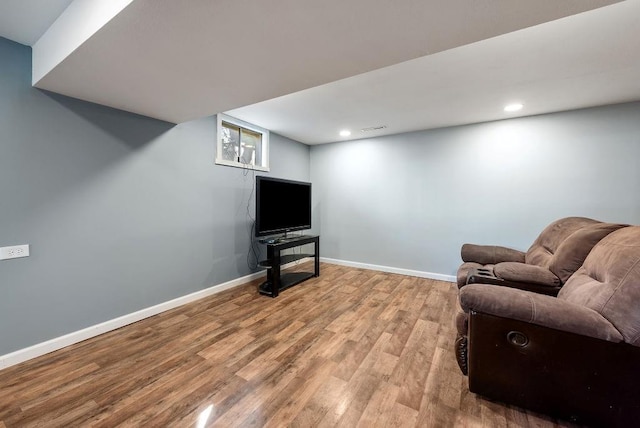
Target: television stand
<point>278,281</point>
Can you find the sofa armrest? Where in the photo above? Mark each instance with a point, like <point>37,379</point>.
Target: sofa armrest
<point>522,272</point>
<point>537,309</point>
<point>490,254</point>
<point>569,376</point>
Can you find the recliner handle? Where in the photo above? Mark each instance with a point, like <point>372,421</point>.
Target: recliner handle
<point>517,338</point>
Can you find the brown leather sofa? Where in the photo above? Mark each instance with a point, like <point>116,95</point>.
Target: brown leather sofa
<point>575,356</point>
<point>545,267</point>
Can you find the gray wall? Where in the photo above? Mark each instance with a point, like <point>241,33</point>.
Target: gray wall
<point>122,212</point>
<point>411,200</point>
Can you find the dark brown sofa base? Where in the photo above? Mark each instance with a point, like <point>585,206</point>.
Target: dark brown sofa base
<point>570,376</point>
<point>484,276</point>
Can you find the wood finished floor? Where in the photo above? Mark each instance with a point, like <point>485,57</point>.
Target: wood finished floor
<point>350,348</point>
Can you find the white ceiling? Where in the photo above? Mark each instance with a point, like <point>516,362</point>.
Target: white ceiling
<point>24,21</point>
<point>580,61</point>
<point>410,64</point>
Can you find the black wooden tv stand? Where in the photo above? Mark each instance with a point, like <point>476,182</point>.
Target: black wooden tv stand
<point>277,281</point>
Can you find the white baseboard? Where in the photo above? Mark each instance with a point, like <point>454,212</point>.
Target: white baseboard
<point>54,344</point>
<point>409,272</point>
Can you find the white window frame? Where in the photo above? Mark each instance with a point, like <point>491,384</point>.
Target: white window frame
<point>264,166</point>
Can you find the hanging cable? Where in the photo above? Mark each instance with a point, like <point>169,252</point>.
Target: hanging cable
<point>253,254</point>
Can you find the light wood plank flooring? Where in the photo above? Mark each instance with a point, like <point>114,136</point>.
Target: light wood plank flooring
<point>350,348</point>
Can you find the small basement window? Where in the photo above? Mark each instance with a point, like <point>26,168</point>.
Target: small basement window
<point>242,144</point>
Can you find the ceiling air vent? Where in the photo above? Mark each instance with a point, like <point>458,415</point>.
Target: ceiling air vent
<point>373,128</point>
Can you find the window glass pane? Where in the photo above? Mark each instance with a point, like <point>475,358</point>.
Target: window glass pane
<point>250,142</point>
<point>241,147</point>
<point>230,141</point>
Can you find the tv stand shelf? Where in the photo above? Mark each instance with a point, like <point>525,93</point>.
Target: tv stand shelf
<point>278,281</point>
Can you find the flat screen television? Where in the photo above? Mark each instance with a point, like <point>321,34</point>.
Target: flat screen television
<point>282,206</point>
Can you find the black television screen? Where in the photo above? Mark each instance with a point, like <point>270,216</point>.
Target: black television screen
<point>282,205</point>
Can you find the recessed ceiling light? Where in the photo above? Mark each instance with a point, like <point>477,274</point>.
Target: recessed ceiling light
<point>345,133</point>
<point>513,107</point>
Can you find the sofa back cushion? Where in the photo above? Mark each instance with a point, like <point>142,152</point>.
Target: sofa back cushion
<point>609,282</point>
<point>572,252</point>
<point>544,247</point>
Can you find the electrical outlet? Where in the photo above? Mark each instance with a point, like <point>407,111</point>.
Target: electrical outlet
<point>14,252</point>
